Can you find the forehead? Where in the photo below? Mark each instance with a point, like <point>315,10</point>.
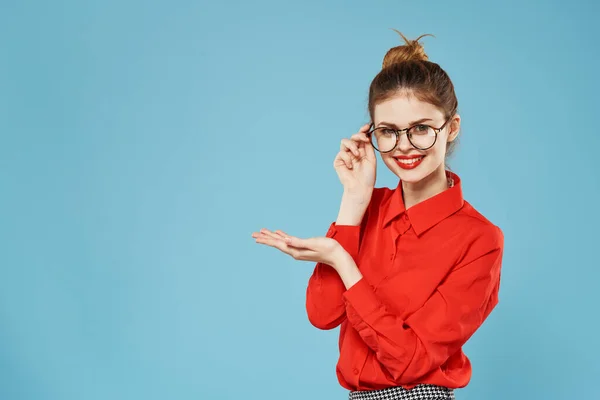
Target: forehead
<point>403,109</point>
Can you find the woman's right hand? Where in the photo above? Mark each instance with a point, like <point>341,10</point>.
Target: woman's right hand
<point>356,165</point>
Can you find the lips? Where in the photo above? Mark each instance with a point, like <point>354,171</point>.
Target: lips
<point>409,162</point>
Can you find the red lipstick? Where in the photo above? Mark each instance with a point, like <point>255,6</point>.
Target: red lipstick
<point>409,162</point>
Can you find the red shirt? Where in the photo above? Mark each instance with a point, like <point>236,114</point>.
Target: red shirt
<point>430,278</point>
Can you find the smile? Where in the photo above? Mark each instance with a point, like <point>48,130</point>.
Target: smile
<point>409,163</point>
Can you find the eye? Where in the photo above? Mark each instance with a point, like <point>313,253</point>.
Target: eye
<point>384,132</point>
<point>420,128</point>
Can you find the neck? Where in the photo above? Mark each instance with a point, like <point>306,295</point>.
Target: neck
<point>432,185</point>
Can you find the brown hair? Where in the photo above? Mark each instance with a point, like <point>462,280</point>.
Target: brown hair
<point>407,69</point>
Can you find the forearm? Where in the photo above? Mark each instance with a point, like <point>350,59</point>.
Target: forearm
<point>324,303</point>
<point>352,209</point>
<point>347,269</point>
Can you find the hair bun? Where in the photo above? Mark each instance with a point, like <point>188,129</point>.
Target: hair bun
<point>412,50</point>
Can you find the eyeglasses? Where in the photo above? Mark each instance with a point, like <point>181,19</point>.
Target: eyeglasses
<point>422,137</point>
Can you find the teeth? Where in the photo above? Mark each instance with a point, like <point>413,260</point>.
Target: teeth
<point>411,161</point>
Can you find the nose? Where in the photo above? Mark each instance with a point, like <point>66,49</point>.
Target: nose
<point>404,144</point>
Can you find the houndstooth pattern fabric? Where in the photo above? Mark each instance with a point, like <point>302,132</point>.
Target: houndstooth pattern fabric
<point>419,392</point>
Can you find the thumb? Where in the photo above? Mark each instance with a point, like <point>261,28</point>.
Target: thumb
<point>299,243</point>
<point>370,151</point>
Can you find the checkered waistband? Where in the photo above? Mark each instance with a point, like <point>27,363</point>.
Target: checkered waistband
<point>419,392</point>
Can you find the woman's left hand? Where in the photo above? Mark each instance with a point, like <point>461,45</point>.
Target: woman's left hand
<point>317,249</point>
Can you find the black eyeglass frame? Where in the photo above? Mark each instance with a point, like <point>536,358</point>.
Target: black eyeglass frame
<point>398,132</point>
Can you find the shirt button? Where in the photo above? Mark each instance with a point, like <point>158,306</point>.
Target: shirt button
<point>355,371</point>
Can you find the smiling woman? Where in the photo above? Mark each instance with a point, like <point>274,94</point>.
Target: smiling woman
<point>408,273</point>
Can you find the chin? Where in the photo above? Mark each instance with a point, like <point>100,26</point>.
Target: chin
<point>412,176</point>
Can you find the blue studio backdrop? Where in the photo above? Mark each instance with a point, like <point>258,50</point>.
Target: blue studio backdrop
<point>142,142</point>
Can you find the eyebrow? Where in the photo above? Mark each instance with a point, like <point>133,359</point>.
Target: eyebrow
<point>409,124</point>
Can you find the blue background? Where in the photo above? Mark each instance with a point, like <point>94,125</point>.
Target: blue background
<point>142,142</point>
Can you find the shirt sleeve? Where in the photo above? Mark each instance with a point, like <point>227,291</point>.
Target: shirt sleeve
<point>324,302</point>
<point>409,349</point>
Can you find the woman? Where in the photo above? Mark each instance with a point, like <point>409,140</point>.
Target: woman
<point>410,273</point>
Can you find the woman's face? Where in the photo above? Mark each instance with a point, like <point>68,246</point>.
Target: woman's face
<point>410,164</point>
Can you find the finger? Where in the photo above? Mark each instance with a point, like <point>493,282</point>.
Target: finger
<point>258,234</point>
<point>365,128</point>
<point>269,240</point>
<point>347,144</point>
<point>276,243</point>
<point>298,243</point>
<point>347,160</point>
<point>281,234</point>
<point>360,137</point>
<point>302,254</point>
<point>362,151</point>
<point>269,233</point>
<point>296,252</point>
<point>264,236</point>
<point>370,151</point>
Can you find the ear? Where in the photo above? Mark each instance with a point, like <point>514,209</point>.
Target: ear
<point>454,126</point>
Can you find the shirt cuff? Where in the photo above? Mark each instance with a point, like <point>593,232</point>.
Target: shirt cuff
<point>347,236</point>
<point>347,231</point>
<point>361,297</point>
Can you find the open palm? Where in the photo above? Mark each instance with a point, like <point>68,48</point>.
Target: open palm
<point>316,249</point>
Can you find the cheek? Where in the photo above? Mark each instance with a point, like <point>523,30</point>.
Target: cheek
<point>389,161</point>
<point>438,151</point>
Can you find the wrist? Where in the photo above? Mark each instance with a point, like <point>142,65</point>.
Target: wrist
<point>341,259</point>
<point>347,269</point>
<point>357,198</point>
<point>353,208</point>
